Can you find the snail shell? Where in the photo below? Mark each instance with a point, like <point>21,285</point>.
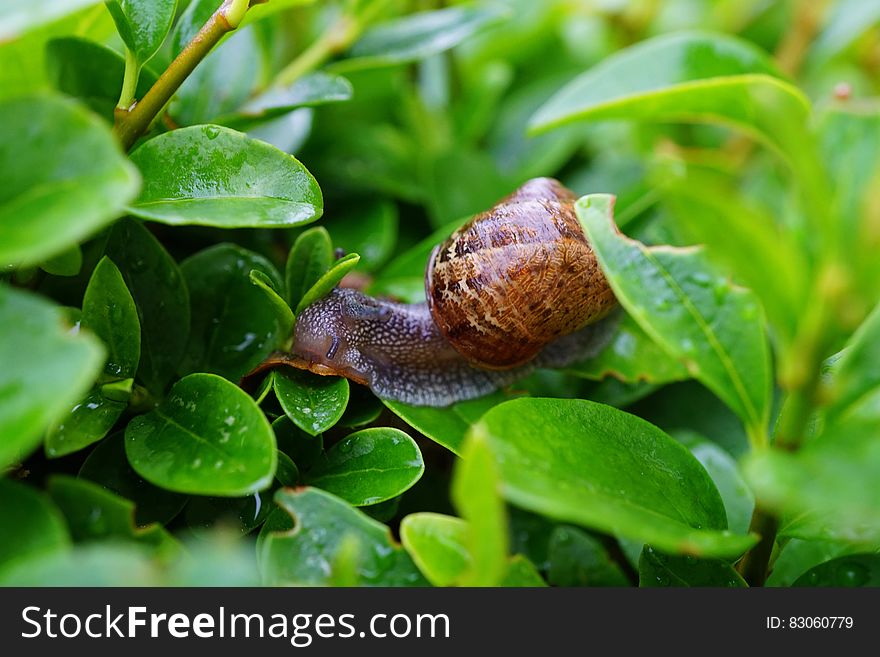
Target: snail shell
<point>516,277</point>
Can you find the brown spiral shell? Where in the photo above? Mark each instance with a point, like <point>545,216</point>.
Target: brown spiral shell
<point>516,277</point>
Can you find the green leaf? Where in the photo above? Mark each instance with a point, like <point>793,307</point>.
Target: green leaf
<point>159,292</point>
<point>850,571</point>
<point>66,263</point>
<point>87,422</point>
<point>314,403</point>
<point>438,545</point>
<point>93,513</point>
<point>311,91</point>
<point>797,556</point>
<point>658,569</point>
<point>686,77</point>
<point>142,24</point>
<point>234,326</point>
<point>20,16</point>
<point>287,473</point>
<point>46,368</point>
<point>442,425</point>
<point>110,313</point>
<point>108,466</point>
<point>208,437</point>
<point>418,36</point>
<point>856,375</point>
<point>689,309</point>
<point>61,183</point>
<point>522,573</point>
<point>631,356</point>
<point>578,559</point>
<point>476,496</point>
<point>369,466</point>
<point>739,501</point>
<point>368,228</point>
<point>328,281</point>
<point>310,257</point>
<point>30,524</point>
<point>91,72</point>
<point>208,175</point>
<point>305,554</point>
<point>832,480</point>
<point>284,318</point>
<point>363,408</point>
<point>714,214</point>
<point>607,470</point>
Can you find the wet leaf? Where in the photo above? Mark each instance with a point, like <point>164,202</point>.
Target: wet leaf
<point>208,437</point>
<point>209,175</point>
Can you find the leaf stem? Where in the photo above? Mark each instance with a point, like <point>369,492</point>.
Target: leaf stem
<point>129,81</point>
<point>131,125</point>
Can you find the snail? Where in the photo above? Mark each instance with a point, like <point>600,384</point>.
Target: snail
<point>515,288</point>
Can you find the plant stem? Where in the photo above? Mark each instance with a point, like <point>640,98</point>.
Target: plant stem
<point>131,125</point>
<point>336,39</point>
<point>129,81</point>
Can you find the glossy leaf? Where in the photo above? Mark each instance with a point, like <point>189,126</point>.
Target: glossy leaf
<point>739,501</point>
<point>693,312</point>
<point>437,544</point>
<point>686,77</point>
<point>87,422</point>
<point>93,513</point>
<point>61,183</point>
<point>369,466</point>
<point>310,257</point>
<point>284,318</point>
<point>46,368</point>
<point>798,556</point>
<point>110,313</point>
<point>108,466</point>
<point>850,571</point>
<point>328,281</point>
<point>30,523</point>
<point>631,356</point>
<point>234,326</point>
<point>19,16</point>
<point>658,569</point>
<point>213,176</point>
<point>522,573</point>
<point>477,498</point>
<point>311,91</point>
<point>442,425</point>
<point>91,72</point>
<point>160,294</point>
<point>578,559</point>
<point>418,36</point>
<point>305,555</point>
<point>607,470</point>
<point>208,437</point>
<point>314,403</point>
<point>142,24</point>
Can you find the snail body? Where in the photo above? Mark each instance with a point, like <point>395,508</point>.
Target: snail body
<point>515,288</point>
